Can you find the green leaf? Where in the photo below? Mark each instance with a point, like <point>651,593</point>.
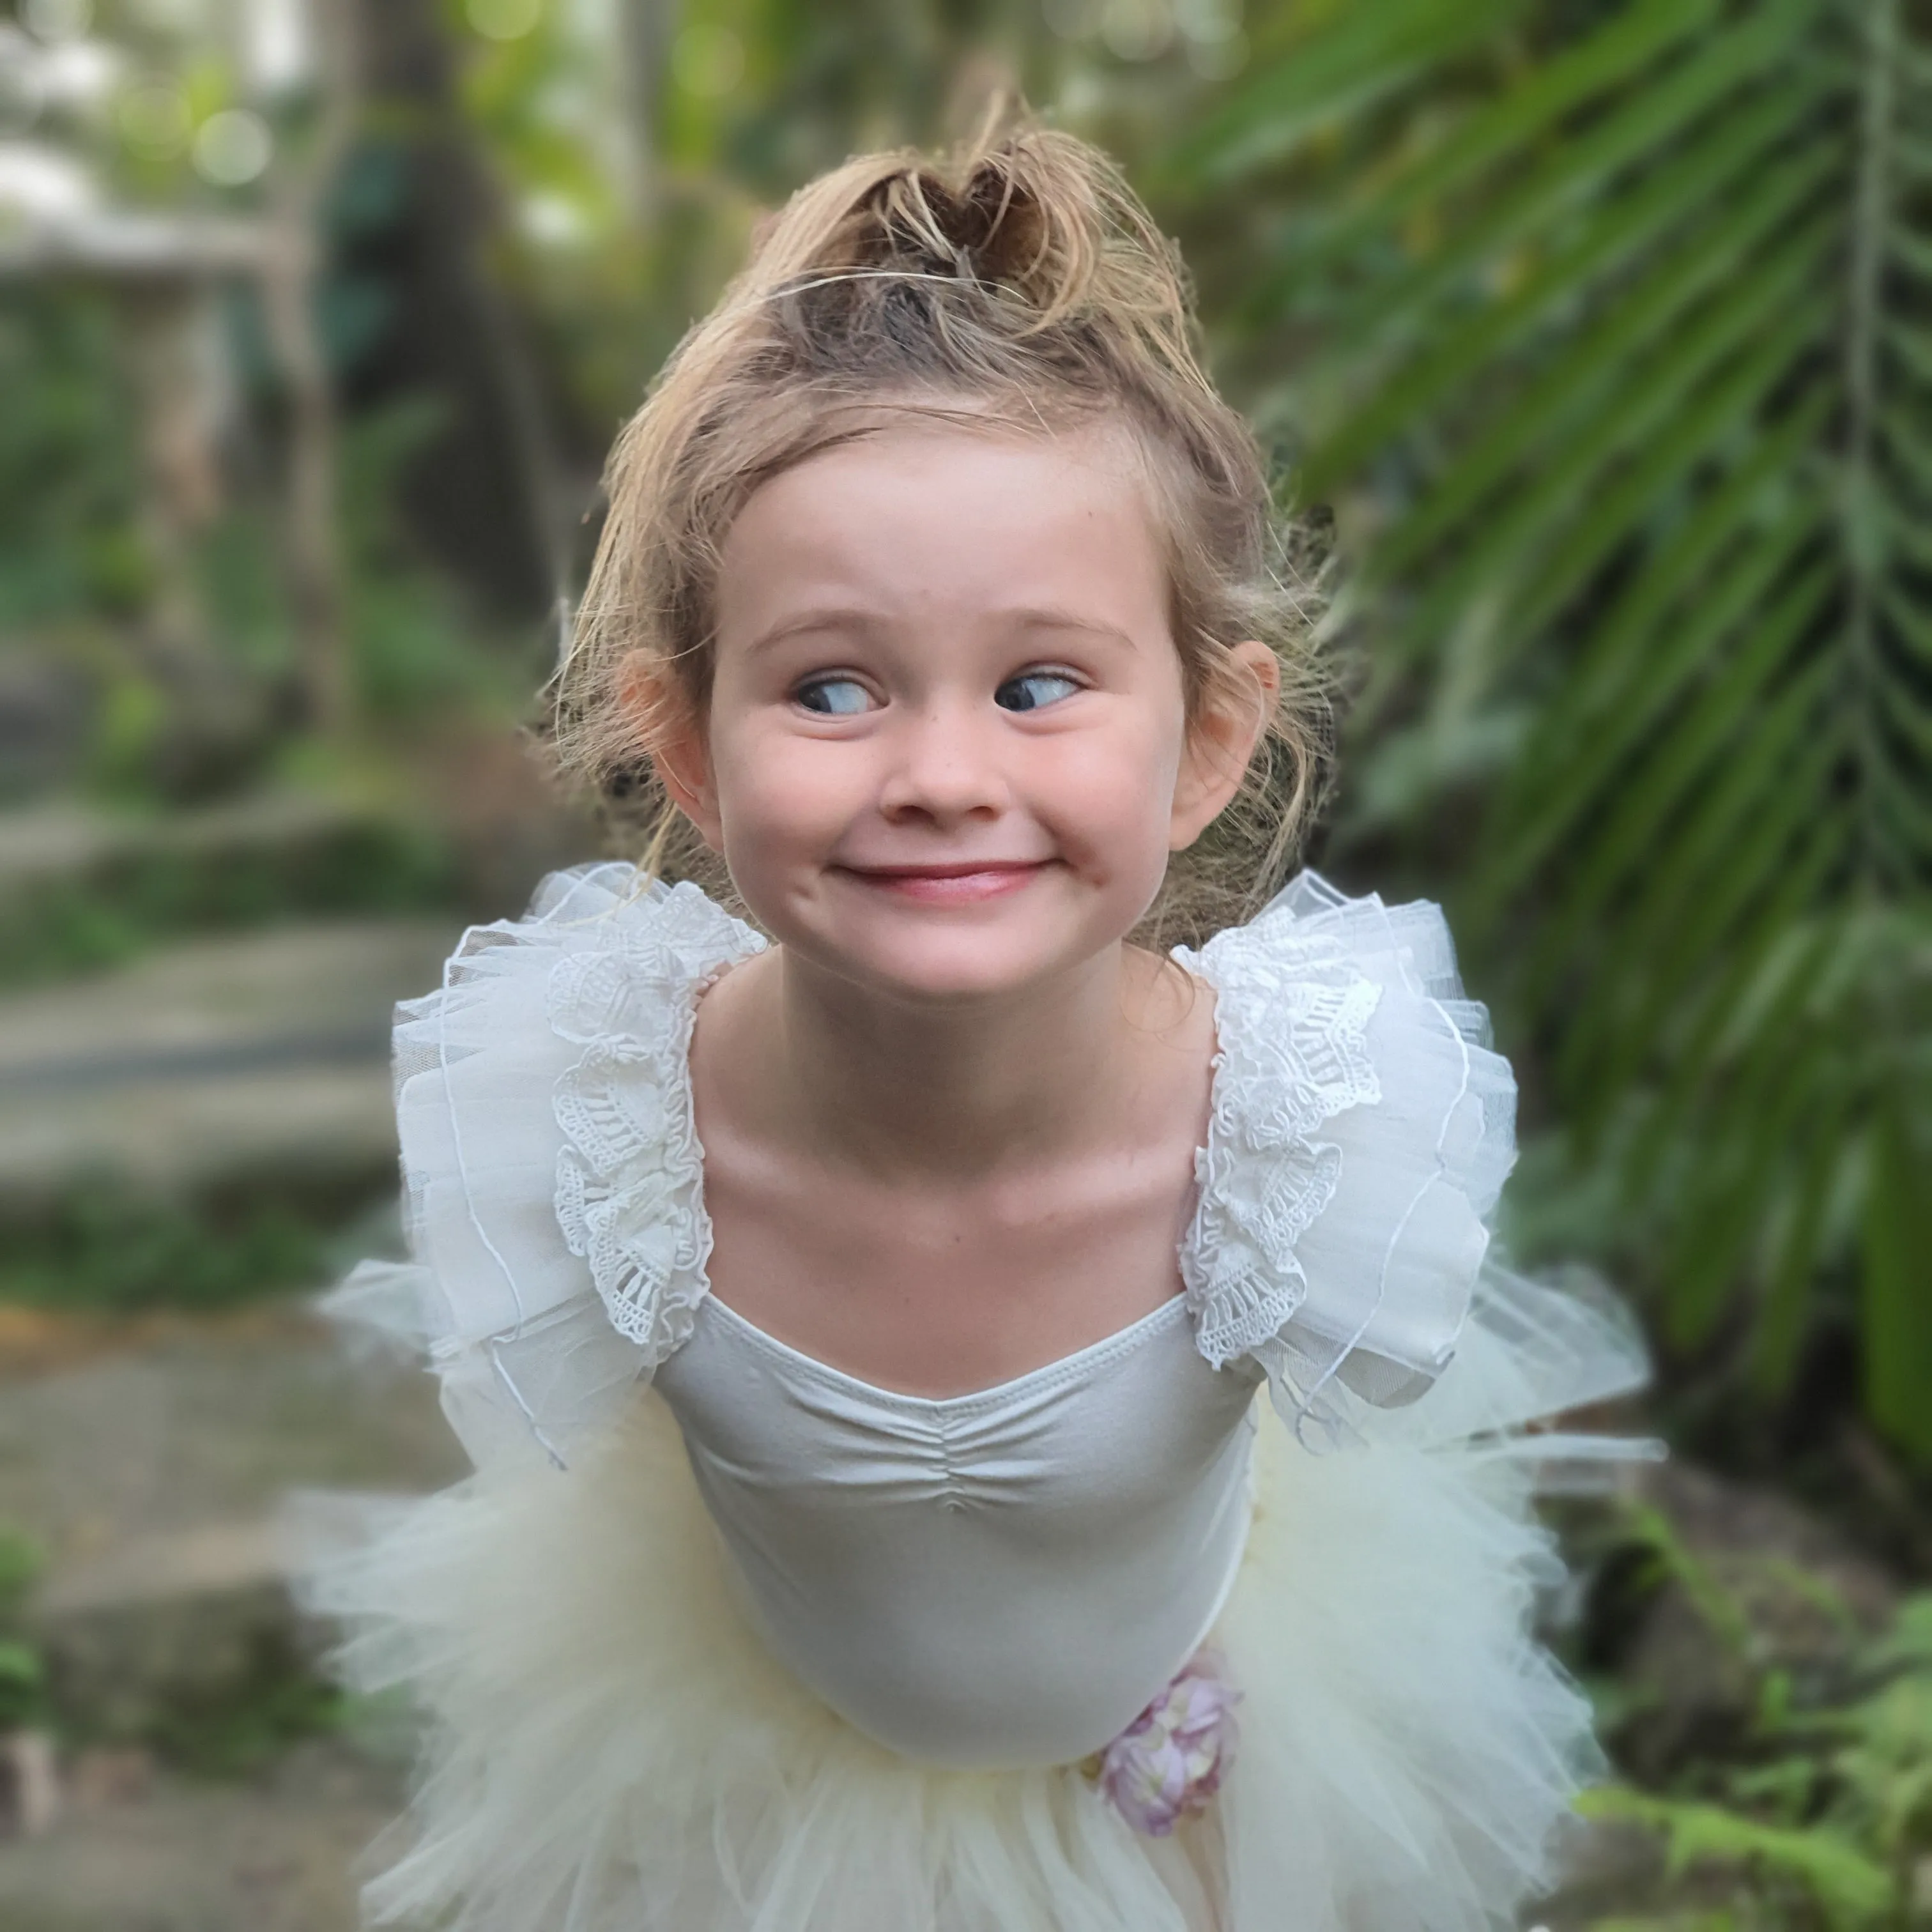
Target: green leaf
<point>1703,728</point>
<point>20,1667</point>
<point>1644,127</point>
<point>1733,854</point>
<point>1785,1306</point>
<point>1705,423</point>
<point>1442,372</point>
<point>1602,399</point>
<point>1910,155</point>
<point>1910,442</point>
<point>1365,55</point>
<point>1750,1014</point>
<point>1911,345</point>
<point>1910,249</point>
<point>1577,347</point>
<point>1628,43</point>
<point>1896,1311</point>
<point>1853,1888</point>
<point>1648,646</point>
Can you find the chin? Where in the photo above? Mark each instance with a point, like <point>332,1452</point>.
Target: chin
<point>959,967</point>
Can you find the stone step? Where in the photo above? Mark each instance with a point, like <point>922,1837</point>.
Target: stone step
<point>81,887</point>
<point>153,1480</point>
<point>167,1854</point>
<point>149,1463</point>
<point>154,1467</point>
<point>249,1053</point>
<point>212,1559</point>
<point>65,838</point>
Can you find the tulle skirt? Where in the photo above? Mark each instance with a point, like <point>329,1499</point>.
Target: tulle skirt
<point>608,1748</point>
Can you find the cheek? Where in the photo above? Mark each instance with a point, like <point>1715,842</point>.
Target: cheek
<point>777,792</point>
<point>1114,794</point>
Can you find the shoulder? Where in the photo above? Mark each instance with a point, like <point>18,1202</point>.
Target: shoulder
<point>550,1172</point>
<point>1361,1130</point>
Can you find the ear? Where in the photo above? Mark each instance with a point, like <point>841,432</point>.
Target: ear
<point>1234,716</point>
<point>680,747</point>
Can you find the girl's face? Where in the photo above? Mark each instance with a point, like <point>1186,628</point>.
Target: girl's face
<point>946,755</point>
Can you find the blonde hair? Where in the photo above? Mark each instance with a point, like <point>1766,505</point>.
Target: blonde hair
<point>1020,283</point>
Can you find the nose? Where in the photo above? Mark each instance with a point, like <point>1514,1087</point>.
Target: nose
<point>944,767</point>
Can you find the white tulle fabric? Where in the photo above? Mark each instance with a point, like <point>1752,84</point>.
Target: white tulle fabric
<point>630,1188</point>
<point>541,1090</point>
<point>1360,1131</point>
<point>610,1748</point>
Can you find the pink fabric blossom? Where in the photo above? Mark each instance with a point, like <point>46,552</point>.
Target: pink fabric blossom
<point>1168,1762</point>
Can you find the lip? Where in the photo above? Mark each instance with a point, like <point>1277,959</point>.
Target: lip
<point>963,882</point>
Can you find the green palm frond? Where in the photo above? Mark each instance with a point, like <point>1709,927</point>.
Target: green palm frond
<point>1607,333</point>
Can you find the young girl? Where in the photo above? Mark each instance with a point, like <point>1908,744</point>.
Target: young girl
<point>979,1426</point>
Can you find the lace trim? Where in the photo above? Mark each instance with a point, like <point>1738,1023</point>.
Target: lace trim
<point>1291,1015</point>
<point>630,1195</point>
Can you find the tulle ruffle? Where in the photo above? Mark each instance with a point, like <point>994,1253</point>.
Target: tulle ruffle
<point>1362,1128</point>
<point>558,1237</point>
<point>1360,1131</point>
<point>609,1748</point>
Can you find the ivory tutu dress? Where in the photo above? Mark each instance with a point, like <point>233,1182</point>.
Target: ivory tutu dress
<point>719,1639</point>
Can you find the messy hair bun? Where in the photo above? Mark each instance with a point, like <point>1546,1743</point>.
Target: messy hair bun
<point>1020,280</point>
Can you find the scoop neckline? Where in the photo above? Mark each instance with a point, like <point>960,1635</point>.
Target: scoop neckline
<point>1090,1355</point>
<point>1086,1356</point>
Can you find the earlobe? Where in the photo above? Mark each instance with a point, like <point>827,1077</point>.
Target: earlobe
<point>680,753</point>
<point>1222,739</point>
<point>685,773</point>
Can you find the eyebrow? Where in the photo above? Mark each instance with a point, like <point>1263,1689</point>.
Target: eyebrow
<point>834,617</point>
<point>819,617</point>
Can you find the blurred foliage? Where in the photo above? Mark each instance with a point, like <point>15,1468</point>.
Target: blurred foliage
<point>1602,329</point>
<point>636,153</point>
<point>22,1669</point>
<point>69,470</point>
<point>280,1698</point>
<point>1607,332</point>
<point>107,1250</point>
<point>1818,1813</point>
<point>214,873</point>
<point>78,575</point>
<point>415,649</point>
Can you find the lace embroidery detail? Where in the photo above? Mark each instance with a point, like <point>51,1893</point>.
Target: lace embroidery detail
<point>1291,1014</point>
<point>630,1177</point>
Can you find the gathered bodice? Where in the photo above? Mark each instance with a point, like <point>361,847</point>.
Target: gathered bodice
<point>1001,1577</point>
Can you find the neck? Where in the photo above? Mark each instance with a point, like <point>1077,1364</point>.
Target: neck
<point>952,1090</point>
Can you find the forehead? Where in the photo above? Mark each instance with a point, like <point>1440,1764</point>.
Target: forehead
<point>941,518</point>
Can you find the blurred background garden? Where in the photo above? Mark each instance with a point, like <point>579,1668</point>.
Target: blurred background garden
<point>1594,339</point>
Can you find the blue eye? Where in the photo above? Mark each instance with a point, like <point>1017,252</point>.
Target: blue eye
<point>1033,689</point>
<point>834,697</point>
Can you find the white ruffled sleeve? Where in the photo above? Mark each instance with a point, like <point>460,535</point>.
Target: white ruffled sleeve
<point>1362,1129</point>
<point>550,1172</point>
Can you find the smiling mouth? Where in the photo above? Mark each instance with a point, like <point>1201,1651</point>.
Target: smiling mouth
<point>967,883</point>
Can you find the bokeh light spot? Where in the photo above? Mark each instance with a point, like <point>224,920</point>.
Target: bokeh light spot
<point>232,147</point>
<point>552,220</point>
<point>1137,30</point>
<point>1208,19</point>
<point>503,20</point>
